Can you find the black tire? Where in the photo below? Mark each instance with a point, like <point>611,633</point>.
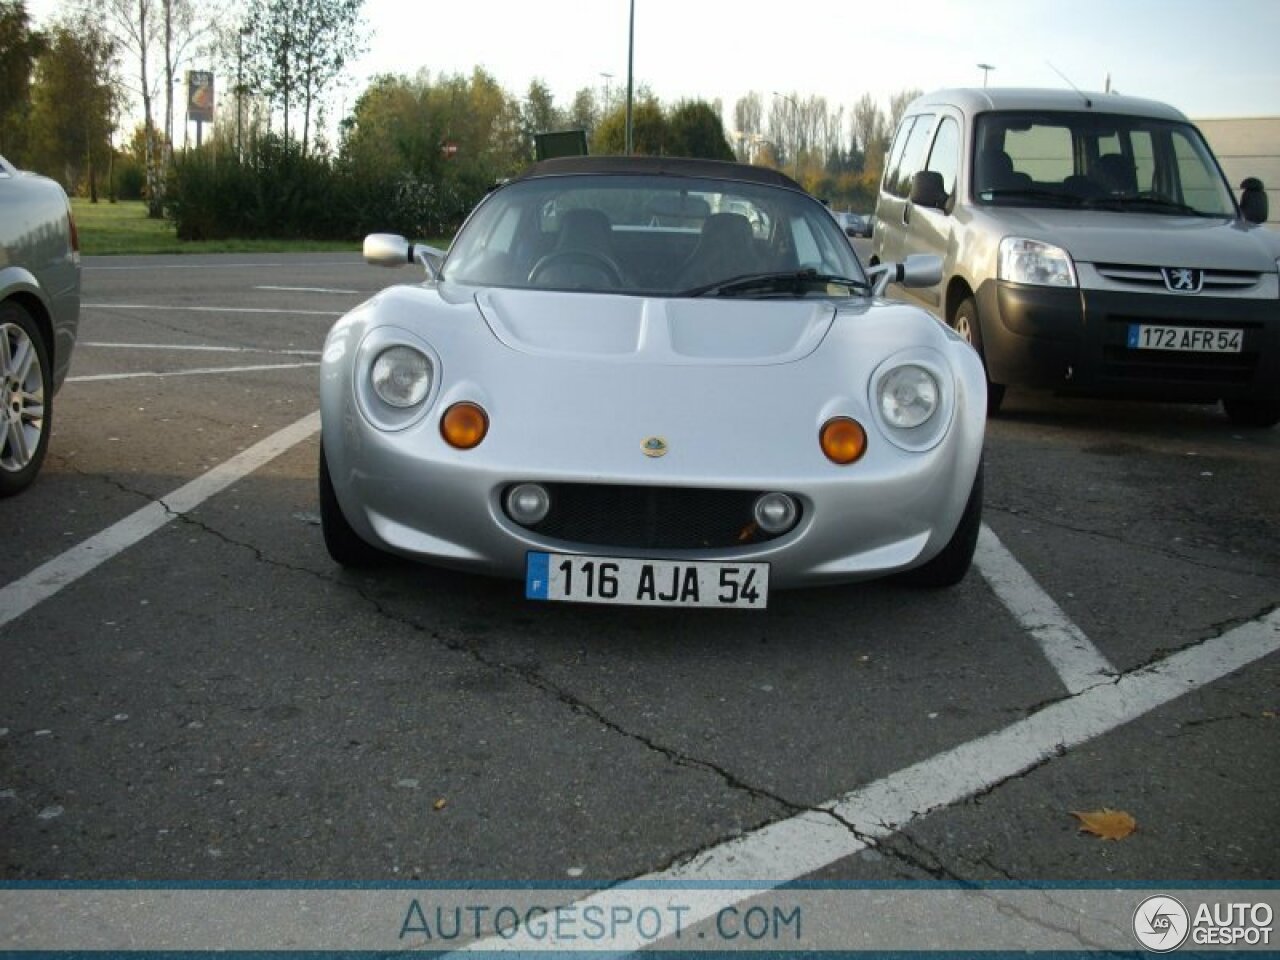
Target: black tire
<point>344,545</point>
<point>965,322</point>
<point>1253,413</point>
<point>21,414</point>
<point>952,563</point>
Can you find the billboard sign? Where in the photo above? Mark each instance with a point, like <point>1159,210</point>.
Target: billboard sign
<point>200,96</point>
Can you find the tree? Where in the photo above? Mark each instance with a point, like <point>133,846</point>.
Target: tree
<point>73,106</point>
<point>298,48</point>
<point>19,48</point>
<point>648,129</point>
<point>748,112</point>
<point>898,106</point>
<point>584,113</point>
<point>134,26</point>
<point>179,32</point>
<point>866,124</point>
<point>694,129</point>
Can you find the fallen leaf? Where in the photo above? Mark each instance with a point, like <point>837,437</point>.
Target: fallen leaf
<point>439,804</point>
<point>1107,824</point>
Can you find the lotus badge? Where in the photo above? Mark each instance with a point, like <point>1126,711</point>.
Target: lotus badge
<point>654,447</point>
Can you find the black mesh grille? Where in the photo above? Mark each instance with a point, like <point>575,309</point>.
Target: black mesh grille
<point>651,518</point>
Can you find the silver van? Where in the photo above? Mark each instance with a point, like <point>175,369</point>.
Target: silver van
<point>1090,245</point>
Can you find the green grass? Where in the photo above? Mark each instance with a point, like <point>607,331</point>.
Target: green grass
<point>124,228</point>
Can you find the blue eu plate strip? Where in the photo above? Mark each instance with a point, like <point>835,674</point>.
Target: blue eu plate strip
<point>536,574</point>
<point>1133,336</point>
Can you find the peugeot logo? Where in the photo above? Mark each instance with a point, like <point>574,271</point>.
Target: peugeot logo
<point>1183,279</point>
<point>654,447</point>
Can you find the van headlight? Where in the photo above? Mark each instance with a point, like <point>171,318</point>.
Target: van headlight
<point>908,397</point>
<point>1035,262</point>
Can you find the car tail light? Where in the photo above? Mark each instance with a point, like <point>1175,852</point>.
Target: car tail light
<point>464,425</point>
<point>843,440</point>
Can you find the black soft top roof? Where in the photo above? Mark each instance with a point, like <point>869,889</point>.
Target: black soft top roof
<point>659,166</point>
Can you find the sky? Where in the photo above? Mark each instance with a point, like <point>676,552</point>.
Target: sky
<point>1208,58</point>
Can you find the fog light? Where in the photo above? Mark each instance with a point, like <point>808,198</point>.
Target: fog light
<point>528,503</point>
<point>776,512</point>
<point>843,440</point>
<point>464,425</point>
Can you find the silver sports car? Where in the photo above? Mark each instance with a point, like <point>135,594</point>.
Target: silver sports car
<point>651,381</point>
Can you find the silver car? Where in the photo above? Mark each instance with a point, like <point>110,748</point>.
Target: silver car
<point>651,381</point>
<point>39,315</point>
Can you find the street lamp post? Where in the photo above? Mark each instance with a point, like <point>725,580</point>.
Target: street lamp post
<point>986,68</point>
<point>795,114</point>
<point>608,97</point>
<point>631,54</point>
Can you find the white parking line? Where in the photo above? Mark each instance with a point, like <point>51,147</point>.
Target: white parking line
<point>356,260</point>
<point>1078,662</point>
<point>192,309</point>
<point>69,566</point>
<point>196,347</point>
<point>197,371</point>
<point>307,289</point>
<point>791,849</point>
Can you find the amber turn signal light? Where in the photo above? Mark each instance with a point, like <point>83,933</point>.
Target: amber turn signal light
<point>464,425</point>
<point>843,440</point>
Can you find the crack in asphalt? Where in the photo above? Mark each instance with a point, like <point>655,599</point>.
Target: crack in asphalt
<point>532,678</point>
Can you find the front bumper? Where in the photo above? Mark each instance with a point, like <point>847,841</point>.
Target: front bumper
<point>1075,341</point>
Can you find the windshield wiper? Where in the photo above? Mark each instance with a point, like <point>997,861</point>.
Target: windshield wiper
<point>790,281</point>
<point>1155,204</point>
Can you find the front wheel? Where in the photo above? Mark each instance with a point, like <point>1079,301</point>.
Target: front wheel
<point>952,563</point>
<point>965,323</point>
<point>26,390</point>
<point>1253,413</point>
<point>344,545</point>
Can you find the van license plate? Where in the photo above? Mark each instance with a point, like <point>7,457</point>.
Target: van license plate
<point>655,583</point>
<point>1145,336</point>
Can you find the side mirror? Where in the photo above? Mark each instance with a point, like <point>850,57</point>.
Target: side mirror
<point>918,270</point>
<point>393,250</point>
<point>927,189</point>
<point>1253,201</point>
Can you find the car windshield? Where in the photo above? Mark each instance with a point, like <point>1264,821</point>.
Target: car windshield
<point>1097,161</point>
<point>655,236</point>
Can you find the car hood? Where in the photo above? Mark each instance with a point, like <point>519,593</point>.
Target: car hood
<point>655,330</point>
<point>1100,236</point>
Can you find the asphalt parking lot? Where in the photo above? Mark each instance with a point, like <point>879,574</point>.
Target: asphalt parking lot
<point>193,691</point>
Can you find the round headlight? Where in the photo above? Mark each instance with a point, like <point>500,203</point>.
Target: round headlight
<point>401,376</point>
<point>908,396</point>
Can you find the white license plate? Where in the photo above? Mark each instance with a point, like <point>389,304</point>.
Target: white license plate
<point>1149,336</point>
<point>655,583</point>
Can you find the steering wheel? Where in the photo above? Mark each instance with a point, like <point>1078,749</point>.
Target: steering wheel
<point>587,258</point>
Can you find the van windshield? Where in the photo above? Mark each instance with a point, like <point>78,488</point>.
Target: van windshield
<point>1097,161</point>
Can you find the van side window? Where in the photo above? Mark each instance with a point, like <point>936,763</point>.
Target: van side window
<point>912,155</point>
<point>895,153</point>
<point>944,158</point>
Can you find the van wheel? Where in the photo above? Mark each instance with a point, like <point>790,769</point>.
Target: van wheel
<point>965,323</point>
<point>952,563</point>
<point>26,392</point>
<point>1253,413</point>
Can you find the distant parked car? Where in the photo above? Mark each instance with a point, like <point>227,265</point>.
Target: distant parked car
<point>853,224</point>
<point>39,315</point>
<point>620,407</point>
